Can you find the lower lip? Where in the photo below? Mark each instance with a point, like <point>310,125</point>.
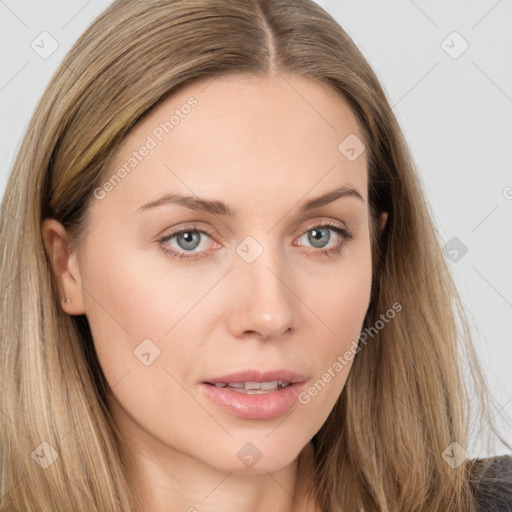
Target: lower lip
<point>254,407</point>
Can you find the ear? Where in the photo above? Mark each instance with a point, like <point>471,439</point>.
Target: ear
<point>64,261</point>
<point>383,220</point>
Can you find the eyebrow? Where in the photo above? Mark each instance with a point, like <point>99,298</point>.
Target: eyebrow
<point>220,208</point>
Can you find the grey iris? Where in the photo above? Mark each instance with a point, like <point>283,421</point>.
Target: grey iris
<point>319,236</point>
<point>191,239</point>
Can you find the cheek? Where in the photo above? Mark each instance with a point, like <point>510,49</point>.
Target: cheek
<point>146,315</point>
<point>120,299</point>
<point>340,298</point>
<point>129,311</point>
<point>340,306</point>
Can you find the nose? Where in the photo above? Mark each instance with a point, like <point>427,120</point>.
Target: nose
<point>262,299</point>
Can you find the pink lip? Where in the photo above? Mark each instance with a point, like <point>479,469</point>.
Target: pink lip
<point>258,376</point>
<point>255,407</point>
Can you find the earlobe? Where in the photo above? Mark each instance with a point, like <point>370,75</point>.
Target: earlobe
<point>64,262</point>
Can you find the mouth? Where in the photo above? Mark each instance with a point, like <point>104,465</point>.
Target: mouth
<point>255,395</point>
<point>252,388</point>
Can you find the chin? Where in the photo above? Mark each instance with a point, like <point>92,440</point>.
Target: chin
<point>261,455</point>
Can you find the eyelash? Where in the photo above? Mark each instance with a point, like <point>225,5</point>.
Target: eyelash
<point>345,234</point>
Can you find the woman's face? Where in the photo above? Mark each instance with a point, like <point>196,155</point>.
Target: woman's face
<point>273,293</point>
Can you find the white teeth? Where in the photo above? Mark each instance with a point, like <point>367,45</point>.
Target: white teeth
<point>252,385</point>
<point>253,388</point>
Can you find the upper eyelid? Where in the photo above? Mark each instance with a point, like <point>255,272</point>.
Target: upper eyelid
<point>193,226</point>
<point>330,223</point>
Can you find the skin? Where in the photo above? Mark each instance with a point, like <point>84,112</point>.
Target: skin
<point>263,146</point>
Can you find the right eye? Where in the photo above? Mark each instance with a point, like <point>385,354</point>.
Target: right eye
<point>186,240</point>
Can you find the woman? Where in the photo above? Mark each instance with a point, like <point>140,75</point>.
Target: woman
<point>224,290</point>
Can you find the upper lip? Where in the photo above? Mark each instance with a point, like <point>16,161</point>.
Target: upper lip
<point>249,375</point>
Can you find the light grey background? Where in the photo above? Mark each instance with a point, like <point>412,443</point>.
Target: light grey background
<point>455,111</point>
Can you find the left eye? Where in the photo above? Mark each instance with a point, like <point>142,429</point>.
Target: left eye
<point>188,240</point>
<point>318,236</point>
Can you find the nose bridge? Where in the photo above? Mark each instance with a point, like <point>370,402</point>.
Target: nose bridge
<point>263,298</point>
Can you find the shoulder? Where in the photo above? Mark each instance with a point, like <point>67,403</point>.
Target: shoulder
<point>491,483</point>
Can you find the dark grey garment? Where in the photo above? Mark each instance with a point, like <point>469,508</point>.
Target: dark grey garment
<point>491,482</point>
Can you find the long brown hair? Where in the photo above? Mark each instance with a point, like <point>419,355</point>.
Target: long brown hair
<point>405,400</point>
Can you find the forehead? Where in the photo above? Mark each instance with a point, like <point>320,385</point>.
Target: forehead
<point>244,136</point>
